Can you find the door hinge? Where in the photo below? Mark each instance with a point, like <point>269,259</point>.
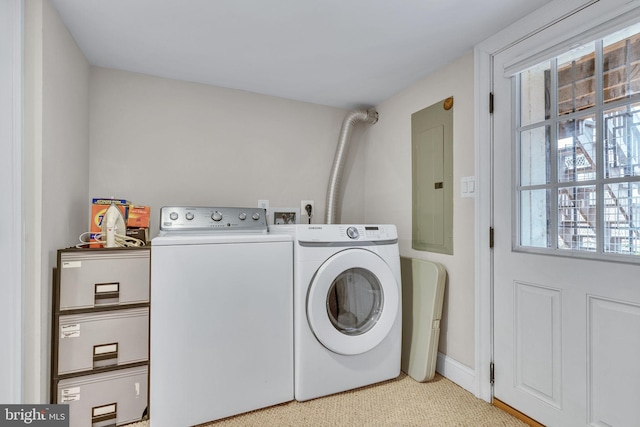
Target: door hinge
<point>490,237</point>
<point>492,376</point>
<point>490,102</point>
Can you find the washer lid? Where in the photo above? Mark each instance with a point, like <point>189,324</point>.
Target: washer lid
<point>353,302</point>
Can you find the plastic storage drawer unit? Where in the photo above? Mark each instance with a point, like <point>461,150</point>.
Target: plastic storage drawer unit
<point>105,399</point>
<point>111,338</point>
<point>103,278</point>
<point>100,335</point>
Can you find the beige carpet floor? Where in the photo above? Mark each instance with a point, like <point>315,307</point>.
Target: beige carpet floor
<point>399,402</point>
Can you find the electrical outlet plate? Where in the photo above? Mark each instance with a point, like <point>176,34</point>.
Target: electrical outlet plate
<point>264,204</point>
<point>303,210</point>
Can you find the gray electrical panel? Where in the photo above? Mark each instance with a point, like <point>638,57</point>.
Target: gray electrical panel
<point>432,178</point>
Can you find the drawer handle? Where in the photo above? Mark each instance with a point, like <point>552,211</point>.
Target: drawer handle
<point>107,293</point>
<point>101,414</point>
<point>105,355</point>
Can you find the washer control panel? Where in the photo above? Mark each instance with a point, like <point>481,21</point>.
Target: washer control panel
<point>192,218</point>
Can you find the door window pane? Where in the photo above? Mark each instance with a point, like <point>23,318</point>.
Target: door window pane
<point>534,218</point>
<point>534,156</point>
<point>621,64</point>
<point>576,80</point>
<point>534,94</point>
<point>622,218</point>
<point>622,141</point>
<point>577,218</point>
<point>576,149</point>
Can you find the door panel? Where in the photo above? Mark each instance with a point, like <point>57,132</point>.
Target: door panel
<point>537,338</point>
<point>611,394</point>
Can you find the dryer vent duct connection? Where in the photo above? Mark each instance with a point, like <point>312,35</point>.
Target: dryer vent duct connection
<point>333,190</point>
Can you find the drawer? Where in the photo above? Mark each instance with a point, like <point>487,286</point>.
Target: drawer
<point>90,341</point>
<point>103,278</point>
<point>107,399</point>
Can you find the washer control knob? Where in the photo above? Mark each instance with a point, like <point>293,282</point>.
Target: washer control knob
<point>189,216</point>
<point>216,216</point>
<point>255,216</point>
<point>173,216</point>
<point>242,216</point>
<point>352,232</point>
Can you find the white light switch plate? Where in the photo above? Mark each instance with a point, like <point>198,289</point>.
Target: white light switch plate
<point>468,186</point>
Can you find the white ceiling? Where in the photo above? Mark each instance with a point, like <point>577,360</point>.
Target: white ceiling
<point>342,53</point>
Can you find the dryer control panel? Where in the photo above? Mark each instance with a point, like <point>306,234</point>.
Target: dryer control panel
<point>337,233</point>
<point>192,218</point>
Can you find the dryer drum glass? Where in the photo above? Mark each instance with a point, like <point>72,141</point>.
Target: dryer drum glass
<point>354,301</point>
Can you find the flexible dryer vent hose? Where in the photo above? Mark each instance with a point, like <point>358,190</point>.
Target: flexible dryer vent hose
<point>333,190</point>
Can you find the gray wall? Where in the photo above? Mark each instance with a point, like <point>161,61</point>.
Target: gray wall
<point>158,142</point>
<point>56,170</point>
<point>11,77</point>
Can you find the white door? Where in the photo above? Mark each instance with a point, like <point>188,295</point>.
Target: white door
<point>566,212</point>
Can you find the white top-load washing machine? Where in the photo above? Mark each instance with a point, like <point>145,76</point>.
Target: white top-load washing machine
<point>221,315</point>
<point>347,306</point>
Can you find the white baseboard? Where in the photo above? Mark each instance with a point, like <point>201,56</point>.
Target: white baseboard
<point>455,371</point>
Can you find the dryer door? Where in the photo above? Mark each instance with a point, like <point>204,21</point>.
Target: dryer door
<point>353,302</point>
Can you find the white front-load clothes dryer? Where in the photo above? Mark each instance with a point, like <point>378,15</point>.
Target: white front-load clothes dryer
<point>347,306</point>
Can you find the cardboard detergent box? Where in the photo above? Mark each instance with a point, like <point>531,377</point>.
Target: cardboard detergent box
<point>109,201</point>
<point>136,218</point>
